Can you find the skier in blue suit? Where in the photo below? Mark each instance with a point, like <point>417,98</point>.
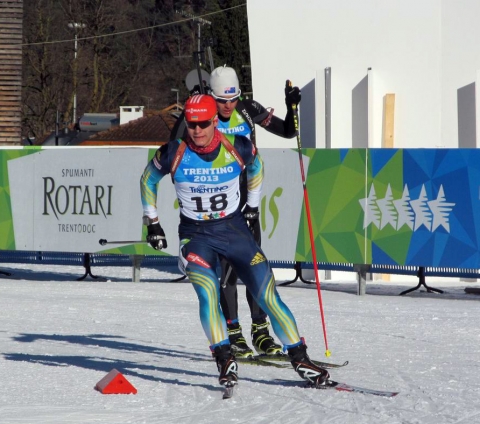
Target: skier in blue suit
<point>205,168</point>
<point>239,116</point>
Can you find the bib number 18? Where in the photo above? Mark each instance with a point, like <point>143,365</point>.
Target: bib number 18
<point>217,203</point>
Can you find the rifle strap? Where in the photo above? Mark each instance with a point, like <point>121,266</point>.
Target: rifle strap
<point>227,144</point>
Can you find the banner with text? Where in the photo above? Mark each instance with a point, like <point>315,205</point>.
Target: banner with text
<point>67,199</point>
<point>416,207</point>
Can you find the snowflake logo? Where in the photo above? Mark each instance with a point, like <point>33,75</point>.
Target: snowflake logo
<point>430,214</point>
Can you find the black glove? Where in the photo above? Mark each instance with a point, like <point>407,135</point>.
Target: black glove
<point>156,236</point>
<point>293,95</point>
<point>251,215</point>
<point>197,90</point>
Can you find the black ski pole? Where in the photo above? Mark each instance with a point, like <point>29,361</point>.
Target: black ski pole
<point>103,242</point>
<point>199,72</point>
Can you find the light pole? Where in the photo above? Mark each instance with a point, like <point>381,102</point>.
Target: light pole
<point>148,100</point>
<point>176,90</point>
<point>75,26</point>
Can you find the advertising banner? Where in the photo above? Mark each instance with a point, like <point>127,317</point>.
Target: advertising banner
<point>67,199</point>
<point>416,207</point>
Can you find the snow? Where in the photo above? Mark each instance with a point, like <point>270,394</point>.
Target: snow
<point>59,337</point>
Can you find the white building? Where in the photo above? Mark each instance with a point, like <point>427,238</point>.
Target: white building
<point>424,52</point>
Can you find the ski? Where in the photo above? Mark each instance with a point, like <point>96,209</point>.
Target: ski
<point>344,387</point>
<point>277,361</point>
<point>285,358</point>
<point>251,361</point>
<point>329,364</point>
<point>277,357</point>
<point>262,361</point>
<point>228,392</point>
<point>341,387</point>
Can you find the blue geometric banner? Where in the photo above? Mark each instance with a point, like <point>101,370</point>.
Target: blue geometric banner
<point>430,204</point>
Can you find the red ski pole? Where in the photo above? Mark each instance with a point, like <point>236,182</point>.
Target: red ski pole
<point>310,230</point>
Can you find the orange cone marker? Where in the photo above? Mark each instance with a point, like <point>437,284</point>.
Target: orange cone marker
<point>114,383</point>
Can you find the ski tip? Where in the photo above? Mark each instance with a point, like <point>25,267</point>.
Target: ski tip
<point>227,395</point>
<point>228,392</point>
<point>343,387</point>
<point>328,353</point>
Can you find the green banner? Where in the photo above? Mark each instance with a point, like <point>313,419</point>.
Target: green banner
<point>7,239</point>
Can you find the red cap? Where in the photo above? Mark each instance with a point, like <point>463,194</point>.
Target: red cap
<point>200,107</point>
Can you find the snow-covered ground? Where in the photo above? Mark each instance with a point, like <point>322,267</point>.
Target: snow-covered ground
<point>59,337</point>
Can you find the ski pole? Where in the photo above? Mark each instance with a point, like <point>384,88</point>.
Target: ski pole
<point>103,242</point>
<point>310,230</point>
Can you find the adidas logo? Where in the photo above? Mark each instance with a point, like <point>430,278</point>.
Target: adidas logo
<point>257,259</point>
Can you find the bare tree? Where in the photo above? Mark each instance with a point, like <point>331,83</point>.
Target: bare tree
<point>127,50</point>
<point>43,74</point>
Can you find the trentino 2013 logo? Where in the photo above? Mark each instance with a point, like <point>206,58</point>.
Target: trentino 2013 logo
<point>432,214</point>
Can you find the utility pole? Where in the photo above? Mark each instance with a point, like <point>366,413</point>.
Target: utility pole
<point>75,26</point>
<point>197,56</point>
<point>176,90</point>
<point>57,127</point>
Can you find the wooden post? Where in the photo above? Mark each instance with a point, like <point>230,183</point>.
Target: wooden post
<point>388,120</point>
<point>388,133</point>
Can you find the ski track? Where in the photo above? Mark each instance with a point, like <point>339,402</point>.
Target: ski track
<point>59,337</point>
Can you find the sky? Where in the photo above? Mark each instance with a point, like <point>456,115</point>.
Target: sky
<point>60,337</point>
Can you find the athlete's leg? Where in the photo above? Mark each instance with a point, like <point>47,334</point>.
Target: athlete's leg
<point>199,261</point>
<point>228,292</point>
<point>252,267</point>
<point>229,303</point>
<point>199,257</point>
<point>263,342</point>
<point>256,312</point>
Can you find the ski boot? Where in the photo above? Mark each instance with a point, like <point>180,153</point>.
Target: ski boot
<point>316,377</point>
<point>226,364</point>
<point>262,341</point>
<point>238,344</point>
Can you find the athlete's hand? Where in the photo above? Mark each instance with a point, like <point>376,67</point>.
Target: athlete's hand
<point>251,215</point>
<point>293,95</point>
<point>195,90</point>
<point>156,236</point>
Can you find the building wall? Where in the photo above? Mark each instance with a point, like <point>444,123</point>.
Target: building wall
<point>460,64</point>
<point>423,52</point>
<point>11,15</point>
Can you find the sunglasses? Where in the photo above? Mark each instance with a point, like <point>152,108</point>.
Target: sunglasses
<point>224,100</point>
<point>202,124</point>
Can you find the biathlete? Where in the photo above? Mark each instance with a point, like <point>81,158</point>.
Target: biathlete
<point>212,227</point>
<point>237,116</point>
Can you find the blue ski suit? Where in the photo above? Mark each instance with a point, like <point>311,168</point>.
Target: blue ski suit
<point>212,227</point>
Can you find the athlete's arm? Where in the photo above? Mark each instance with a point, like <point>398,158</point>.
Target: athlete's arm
<point>156,169</point>
<point>255,176</point>
<point>253,167</point>
<point>282,127</point>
